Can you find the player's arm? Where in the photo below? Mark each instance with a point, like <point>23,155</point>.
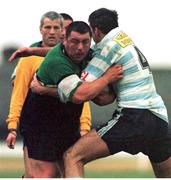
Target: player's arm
<point>20,89</point>
<point>72,88</point>
<point>89,90</point>
<point>38,88</point>
<point>103,98</point>
<point>29,51</point>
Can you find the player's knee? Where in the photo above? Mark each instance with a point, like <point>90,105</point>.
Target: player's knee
<point>43,171</point>
<point>69,155</point>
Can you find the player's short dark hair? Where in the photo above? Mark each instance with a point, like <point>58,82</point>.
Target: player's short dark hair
<point>78,26</point>
<point>66,16</point>
<point>104,19</point>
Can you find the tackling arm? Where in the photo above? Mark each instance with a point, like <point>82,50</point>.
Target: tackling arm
<point>29,51</point>
<point>38,88</point>
<point>86,91</point>
<point>89,90</point>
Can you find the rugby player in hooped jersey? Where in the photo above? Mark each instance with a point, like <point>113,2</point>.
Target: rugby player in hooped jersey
<point>140,122</point>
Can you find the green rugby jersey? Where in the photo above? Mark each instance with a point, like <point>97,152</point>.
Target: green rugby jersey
<point>36,44</point>
<point>57,65</point>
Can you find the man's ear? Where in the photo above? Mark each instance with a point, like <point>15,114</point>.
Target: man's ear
<point>98,32</point>
<point>40,29</point>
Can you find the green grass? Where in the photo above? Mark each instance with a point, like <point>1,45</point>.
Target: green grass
<point>118,174</point>
<point>14,168</point>
<point>92,174</point>
<point>11,174</point>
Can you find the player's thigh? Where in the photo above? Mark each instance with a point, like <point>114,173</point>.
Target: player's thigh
<point>162,169</point>
<point>87,148</point>
<point>28,172</point>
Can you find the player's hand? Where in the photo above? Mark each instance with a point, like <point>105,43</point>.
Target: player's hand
<point>11,139</point>
<point>36,86</point>
<point>114,73</point>
<point>21,52</point>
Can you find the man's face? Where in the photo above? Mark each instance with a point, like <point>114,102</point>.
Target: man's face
<point>66,23</point>
<point>51,32</point>
<point>77,46</point>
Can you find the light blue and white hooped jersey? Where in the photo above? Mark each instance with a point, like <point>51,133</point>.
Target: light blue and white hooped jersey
<point>136,89</point>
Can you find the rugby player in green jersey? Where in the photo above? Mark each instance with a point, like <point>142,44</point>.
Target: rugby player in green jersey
<point>48,126</point>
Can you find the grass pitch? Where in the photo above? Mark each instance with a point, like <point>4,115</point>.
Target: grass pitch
<point>103,168</point>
